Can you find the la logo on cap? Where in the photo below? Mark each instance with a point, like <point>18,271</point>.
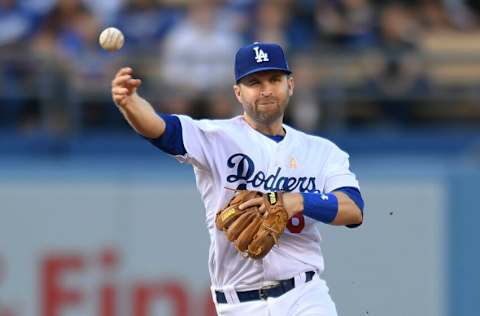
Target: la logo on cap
<point>260,55</point>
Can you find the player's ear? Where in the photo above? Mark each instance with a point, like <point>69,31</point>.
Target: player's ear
<point>236,90</point>
<point>291,85</point>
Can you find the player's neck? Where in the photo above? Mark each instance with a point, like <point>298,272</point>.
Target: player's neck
<point>272,129</point>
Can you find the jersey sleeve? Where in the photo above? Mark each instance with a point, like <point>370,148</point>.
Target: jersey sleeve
<point>197,142</point>
<point>338,173</point>
<point>171,141</point>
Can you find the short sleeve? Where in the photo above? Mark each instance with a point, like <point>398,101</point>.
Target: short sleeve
<point>195,141</point>
<point>338,173</point>
<point>171,142</point>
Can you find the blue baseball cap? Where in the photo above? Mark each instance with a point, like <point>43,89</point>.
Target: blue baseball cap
<point>259,57</point>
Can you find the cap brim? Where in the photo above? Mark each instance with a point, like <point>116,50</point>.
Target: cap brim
<point>263,69</point>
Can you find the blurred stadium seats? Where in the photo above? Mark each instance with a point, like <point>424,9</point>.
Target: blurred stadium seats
<point>373,65</point>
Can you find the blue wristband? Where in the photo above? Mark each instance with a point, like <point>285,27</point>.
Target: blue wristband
<point>321,207</point>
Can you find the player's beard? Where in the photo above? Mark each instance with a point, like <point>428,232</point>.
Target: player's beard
<point>268,111</point>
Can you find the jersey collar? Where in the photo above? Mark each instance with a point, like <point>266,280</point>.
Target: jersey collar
<point>275,138</point>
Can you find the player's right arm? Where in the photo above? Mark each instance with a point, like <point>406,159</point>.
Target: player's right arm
<point>138,112</point>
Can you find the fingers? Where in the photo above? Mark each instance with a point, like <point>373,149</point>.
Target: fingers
<point>250,203</point>
<point>124,78</point>
<point>134,83</point>
<point>120,80</point>
<point>124,71</point>
<point>123,85</point>
<point>119,95</point>
<point>119,91</point>
<point>126,81</point>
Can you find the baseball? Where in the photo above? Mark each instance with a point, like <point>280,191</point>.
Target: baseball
<point>111,39</point>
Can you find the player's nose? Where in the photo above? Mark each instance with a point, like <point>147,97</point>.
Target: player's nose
<point>266,91</point>
<point>265,94</point>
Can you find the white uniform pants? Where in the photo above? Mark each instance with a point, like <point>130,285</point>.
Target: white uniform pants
<point>308,299</point>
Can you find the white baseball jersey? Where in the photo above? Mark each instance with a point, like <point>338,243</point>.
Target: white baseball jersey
<point>231,154</point>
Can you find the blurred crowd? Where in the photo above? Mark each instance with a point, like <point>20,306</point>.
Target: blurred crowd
<point>356,62</point>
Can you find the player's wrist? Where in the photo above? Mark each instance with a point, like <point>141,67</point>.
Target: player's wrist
<point>293,203</point>
<point>320,206</point>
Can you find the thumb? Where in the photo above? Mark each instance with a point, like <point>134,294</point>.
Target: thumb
<point>132,85</point>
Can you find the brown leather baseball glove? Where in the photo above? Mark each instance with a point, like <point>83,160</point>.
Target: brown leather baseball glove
<point>254,230</point>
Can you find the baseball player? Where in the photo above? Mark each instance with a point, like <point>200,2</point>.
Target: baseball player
<point>256,151</point>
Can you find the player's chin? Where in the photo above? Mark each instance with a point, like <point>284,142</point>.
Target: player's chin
<point>267,117</point>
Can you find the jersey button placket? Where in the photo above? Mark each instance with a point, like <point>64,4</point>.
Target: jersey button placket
<point>277,161</point>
